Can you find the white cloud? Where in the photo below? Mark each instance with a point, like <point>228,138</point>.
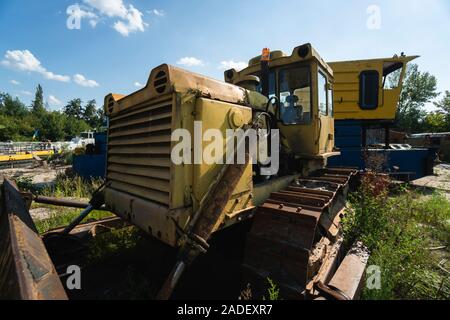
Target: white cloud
<point>130,17</point>
<point>133,22</point>
<point>111,8</point>
<point>157,12</point>
<point>26,93</point>
<point>51,76</point>
<point>190,62</point>
<point>53,101</point>
<point>231,64</point>
<point>24,60</point>
<point>82,81</point>
<point>93,23</point>
<point>138,84</point>
<point>15,82</point>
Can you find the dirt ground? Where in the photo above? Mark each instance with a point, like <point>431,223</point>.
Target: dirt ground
<point>39,175</point>
<point>439,181</point>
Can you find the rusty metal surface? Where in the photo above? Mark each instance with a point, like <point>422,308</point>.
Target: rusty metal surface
<point>26,271</point>
<point>290,223</point>
<point>60,202</point>
<point>350,275</point>
<point>94,227</point>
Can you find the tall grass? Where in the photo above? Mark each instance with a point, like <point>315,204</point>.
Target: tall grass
<point>116,241</point>
<point>64,158</point>
<point>399,231</point>
<point>64,217</point>
<point>72,187</point>
<point>64,186</point>
<point>273,291</point>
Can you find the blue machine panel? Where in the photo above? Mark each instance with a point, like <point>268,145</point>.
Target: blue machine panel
<point>92,165</point>
<point>410,163</point>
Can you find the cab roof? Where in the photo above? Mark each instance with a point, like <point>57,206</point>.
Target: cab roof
<point>305,52</point>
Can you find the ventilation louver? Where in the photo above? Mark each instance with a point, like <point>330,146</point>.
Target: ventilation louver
<point>160,82</point>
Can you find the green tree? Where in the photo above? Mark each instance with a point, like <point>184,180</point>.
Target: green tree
<point>443,106</point>
<point>90,115</point>
<point>94,116</point>
<point>73,127</point>
<point>12,129</point>
<point>53,126</point>
<point>12,106</point>
<point>15,119</point>
<point>74,109</point>
<point>18,123</point>
<point>37,106</point>
<point>435,122</point>
<point>101,117</point>
<point>419,88</point>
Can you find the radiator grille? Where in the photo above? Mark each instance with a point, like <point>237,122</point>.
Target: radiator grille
<point>139,152</point>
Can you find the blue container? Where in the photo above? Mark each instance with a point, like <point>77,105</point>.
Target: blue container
<point>406,164</point>
<point>92,165</point>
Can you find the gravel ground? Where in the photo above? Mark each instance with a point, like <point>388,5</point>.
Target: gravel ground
<point>40,175</point>
<point>41,213</point>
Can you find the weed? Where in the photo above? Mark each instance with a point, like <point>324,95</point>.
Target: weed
<point>64,158</point>
<point>398,231</point>
<point>433,213</point>
<point>246,294</point>
<point>64,217</point>
<point>273,291</point>
<point>110,243</point>
<point>72,187</point>
<point>25,184</point>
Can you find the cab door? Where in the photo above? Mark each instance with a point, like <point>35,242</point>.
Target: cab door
<point>325,119</point>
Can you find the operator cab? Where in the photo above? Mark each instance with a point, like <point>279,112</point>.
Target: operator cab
<point>301,85</point>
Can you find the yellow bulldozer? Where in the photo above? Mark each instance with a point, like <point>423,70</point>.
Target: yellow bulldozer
<point>189,156</point>
<point>295,201</point>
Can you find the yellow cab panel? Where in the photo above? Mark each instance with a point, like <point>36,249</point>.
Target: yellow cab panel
<point>368,89</point>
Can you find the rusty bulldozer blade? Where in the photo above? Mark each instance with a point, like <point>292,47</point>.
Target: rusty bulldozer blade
<point>26,271</point>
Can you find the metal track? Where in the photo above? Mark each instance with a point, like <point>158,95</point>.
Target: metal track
<point>295,227</point>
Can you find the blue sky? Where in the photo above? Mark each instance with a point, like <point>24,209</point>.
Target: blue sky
<point>131,37</point>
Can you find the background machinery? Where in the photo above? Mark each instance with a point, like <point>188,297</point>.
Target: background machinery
<point>90,163</point>
<point>366,95</point>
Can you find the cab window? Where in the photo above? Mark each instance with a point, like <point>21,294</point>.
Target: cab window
<point>295,95</point>
<point>272,82</point>
<point>323,92</point>
<point>391,74</point>
<point>330,102</point>
<point>368,89</point>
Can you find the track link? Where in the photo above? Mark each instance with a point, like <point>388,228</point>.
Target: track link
<point>295,228</point>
